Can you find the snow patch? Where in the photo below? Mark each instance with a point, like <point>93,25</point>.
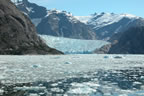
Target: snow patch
<point>36,21</point>
<point>1,91</point>
<point>29,9</point>
<point>69,15</point>
<point>83,19</point>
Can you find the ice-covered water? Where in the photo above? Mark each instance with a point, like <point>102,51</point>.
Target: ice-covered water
<point>72,75</point>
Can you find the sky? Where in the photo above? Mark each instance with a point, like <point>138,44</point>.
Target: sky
<point>87,7</point>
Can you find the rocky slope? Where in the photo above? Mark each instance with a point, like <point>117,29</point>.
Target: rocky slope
<point>55,22</point>
<point>18,34</point>
<point>103,50</point>
<point>130,42</point>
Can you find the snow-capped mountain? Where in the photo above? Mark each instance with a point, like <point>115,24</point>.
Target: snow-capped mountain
<point>103,26</point>
<point>106,25</point>
<point>104,19</point>
<point>73,46</point>
<point>56,23</point>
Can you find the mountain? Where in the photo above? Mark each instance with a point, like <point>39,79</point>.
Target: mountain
<point>103,26</point>
<point>73,46</point>
<point>17,33</point>
<point>130,42</point>
<point>56,23</point>
<point>106,25</point>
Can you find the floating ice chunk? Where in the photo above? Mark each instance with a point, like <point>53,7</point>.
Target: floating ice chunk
<point>41,94</point>
<point>118,57</point>
<point>106,56</point>
<point>137,83</point>
<point>140,93</point>
<point>35,66</point>
<point>1,92</point>
<point>55,84</point>
<point>68,62</point>
<point>32,94</point>
<point>30,88</point>
<point>83,88</point>
<point>56,58</point>
<point>56,90</point>
<point>91,84</point>
<point>2,76</point>
<point>124,95</point>
<point>77,57</point>
<point>2,62</point>
<point>40,85</point>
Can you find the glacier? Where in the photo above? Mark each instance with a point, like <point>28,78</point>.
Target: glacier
<point>73,46</point>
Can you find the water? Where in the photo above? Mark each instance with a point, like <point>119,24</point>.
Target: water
<point>72,75</point>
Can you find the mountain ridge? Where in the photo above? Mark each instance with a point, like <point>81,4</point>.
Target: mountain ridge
<point>106,25</point>
<point>101,26</point>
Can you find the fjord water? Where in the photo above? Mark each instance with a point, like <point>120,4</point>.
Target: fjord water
<point>72,75</point>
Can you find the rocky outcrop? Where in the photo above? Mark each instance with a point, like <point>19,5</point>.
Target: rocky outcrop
<point>17,33</point>
<point>103,50</point>
<point>130,42</point>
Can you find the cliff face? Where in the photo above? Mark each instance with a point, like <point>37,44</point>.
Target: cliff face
<point>17,33</point>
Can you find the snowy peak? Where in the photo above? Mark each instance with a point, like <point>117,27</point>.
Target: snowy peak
<point>83,19</point>
<point>103,19</point>
<point>66,14</point>
<point>58,12</point>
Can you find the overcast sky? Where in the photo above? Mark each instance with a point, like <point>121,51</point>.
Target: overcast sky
<point>86,7</point>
